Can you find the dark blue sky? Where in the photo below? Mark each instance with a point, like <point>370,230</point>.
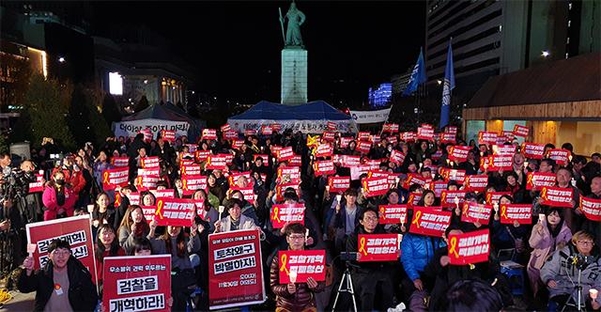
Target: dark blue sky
<point>236,45</point>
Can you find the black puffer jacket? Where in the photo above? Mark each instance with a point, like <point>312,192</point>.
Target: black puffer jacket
<point>82,292</point>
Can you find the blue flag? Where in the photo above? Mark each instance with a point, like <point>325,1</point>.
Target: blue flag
<point>447,86</point>
<point>418,75</point>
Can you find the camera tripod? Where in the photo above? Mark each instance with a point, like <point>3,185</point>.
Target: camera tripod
<point>580,305</point>
<point>346,277</point>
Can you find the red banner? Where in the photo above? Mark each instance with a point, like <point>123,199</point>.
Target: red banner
<point>235,269</point>
<point>448,138</point>
<point>209,134</point>
<point>393,214</point>
<point>174,211</point>
<point>468,248</point>
<point>111,178</point>
<point>363,146</point>
<point>150,162</point>
<point>216,162</point>
<point>591,208</point>
<point>168,135</point>
<point>285,153</point>
<point>561,156</point>
<point>453,175</point>
<point>452,199</point>
<point>298,265</point>
<point>409,136</point>
<point>38,185</point>
<point>413,199</point>
<point>331,125</point>
<point>375,186</point>
<point>487,137</point>
<point>425,133</point>
<point>414,178</point>
<point>538,180</point>
<point>226,128</point>
<point>390,128</point>
<point>323,167</point>
<point>503,150</point>
<point>120,161</point>
<point>191,183</point>
<point>557,196</point>
<point>476,183</point>
<point>287,213</point>
<point>266,130</point>
<point>520,131</point>
<point>533,150</point>
<point>249,132</point>
<point>378,247</point>
<point>429,222</point>
<point>338,184</point>
<point>437,187</point>
<point>522,213</point>
<point>137,283</point>
<point>493,197</point>
<point>474,212</point>
<point>459,153</point>
<point>363,136</point>
<point>193,169</point>
<point>76,230</point>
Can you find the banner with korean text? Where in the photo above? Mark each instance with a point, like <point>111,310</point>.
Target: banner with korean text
<point>174,211</point>
<point>474,212</point>
<point>111,178</point>
<point>137,283</point>
<point>591,208</point>
<point>429,222</point>
<point>378,247</point>
<point>235,269</point>
<point>287,213</point>
<point>557,196</point>
<point>392,214</point>
<point>75,230</point>
<point>522,213</point>
<point>302,264</point>
<point>468,248</point>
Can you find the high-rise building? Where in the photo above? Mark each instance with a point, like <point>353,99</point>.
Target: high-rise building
<point>496,37</point>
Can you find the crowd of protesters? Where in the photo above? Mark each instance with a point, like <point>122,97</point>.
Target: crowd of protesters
<point>422,277</point>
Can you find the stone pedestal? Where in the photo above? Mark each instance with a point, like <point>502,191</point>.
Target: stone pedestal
<point>294,76</point>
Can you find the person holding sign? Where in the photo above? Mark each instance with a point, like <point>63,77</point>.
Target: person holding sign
<point>444,274</point>
<point>63,284</point>
<point>505,236</point>
<point>345,219</point>
<point>134,225</point>
<point>106,246</point>
<point>371,278</point>
<point>548,235</point>
<point>293,296</point>
<point>184,258</point>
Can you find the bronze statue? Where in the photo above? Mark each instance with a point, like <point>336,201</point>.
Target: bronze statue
<point>295,19</point>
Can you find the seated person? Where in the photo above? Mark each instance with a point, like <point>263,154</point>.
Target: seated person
<point>561,272</point>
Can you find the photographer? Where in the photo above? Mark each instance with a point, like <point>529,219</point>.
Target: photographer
<point>577,262</point>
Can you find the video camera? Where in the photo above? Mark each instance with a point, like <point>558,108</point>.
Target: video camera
<point>15,183</point>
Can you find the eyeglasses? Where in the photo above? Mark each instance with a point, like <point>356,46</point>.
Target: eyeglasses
<point>61,253</point>
<point>586,243</point>
<point>293,237</point>
<point>370,219</point>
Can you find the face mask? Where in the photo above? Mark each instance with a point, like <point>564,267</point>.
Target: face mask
<point>60,182</point>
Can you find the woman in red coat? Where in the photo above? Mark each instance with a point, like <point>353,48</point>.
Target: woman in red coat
<point>58,198</point>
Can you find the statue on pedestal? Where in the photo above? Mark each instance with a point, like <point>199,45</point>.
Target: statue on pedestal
<point>296,18</point>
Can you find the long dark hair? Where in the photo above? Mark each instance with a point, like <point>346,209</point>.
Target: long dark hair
<point>555,232</point>
<point>100,249</point>
<point>180,242</point>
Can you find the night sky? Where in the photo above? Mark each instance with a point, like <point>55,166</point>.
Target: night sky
<point>236,45</point>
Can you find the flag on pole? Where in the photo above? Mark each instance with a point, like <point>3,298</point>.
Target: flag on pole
<point>447,86</point>
<point>418,75</point>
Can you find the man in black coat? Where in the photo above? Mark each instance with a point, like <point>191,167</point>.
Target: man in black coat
<point>63,284</point>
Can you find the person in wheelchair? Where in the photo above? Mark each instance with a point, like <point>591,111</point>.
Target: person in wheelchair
<point>573,271</point>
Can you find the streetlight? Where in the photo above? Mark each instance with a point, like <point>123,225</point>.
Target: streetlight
<point>545,53</point>
<point>61,59</point>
